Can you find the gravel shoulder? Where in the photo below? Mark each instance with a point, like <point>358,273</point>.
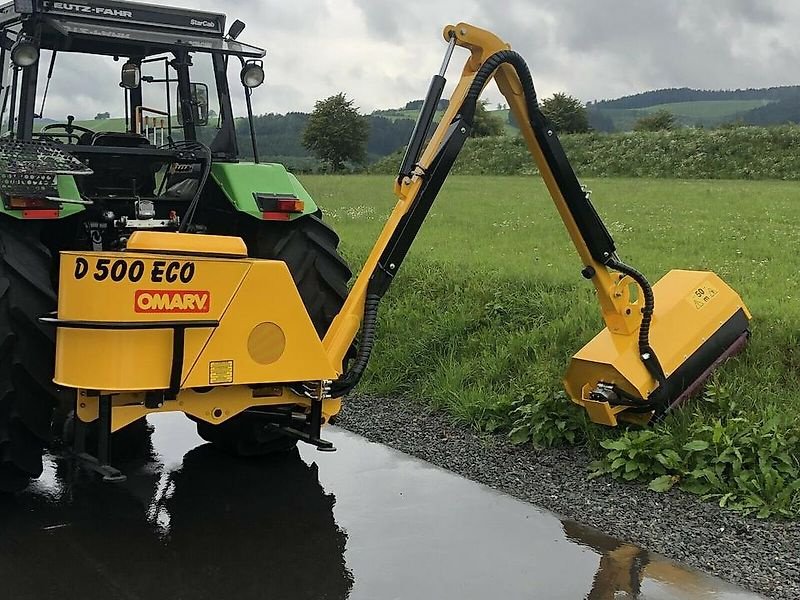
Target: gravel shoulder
<point>762,556</point>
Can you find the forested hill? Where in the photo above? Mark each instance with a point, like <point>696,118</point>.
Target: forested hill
<point>700,108</point>
<point>674,95</point>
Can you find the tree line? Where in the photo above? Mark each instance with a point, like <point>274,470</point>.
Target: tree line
<point>685,94</point>
<point>338,135</point>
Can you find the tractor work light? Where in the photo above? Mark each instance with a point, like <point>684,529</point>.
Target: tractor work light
<point>252,74</point>
<point>24,53</point>
<point>236,29</point>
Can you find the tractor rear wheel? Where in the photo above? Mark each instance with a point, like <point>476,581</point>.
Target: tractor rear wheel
<point>309,248</point>
<point>27,352</point>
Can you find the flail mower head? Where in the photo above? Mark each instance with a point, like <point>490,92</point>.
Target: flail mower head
<point>698,322</point>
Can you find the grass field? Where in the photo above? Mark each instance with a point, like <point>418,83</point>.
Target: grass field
<point>709,109</point>
<point>490,305</point>
<point>115,124</point>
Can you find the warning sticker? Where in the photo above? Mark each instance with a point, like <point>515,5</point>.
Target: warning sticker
<point>702,296</point>
<point>220,371</point>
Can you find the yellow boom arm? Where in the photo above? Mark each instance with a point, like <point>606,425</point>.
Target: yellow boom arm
<point>617,371</point>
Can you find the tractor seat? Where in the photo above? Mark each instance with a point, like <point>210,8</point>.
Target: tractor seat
<point>118,175</point>
<point>117,139</point>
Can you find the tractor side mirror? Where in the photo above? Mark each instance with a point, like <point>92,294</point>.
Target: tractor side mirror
<point>131,76</point>
<point>199,102</point>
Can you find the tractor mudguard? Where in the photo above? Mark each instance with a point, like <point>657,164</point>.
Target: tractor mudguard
<point>67,189</point>
<point>243,182</point>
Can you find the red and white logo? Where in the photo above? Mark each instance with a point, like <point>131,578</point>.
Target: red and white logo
<point>164,301</point>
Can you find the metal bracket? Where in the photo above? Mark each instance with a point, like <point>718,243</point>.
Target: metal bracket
<point>309,430</point>
<point>97,464</point>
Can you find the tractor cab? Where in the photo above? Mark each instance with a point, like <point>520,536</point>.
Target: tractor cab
<point>209,251</point>
<point>170,72</point>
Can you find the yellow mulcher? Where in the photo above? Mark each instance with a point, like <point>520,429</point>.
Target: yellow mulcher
<point>192,323</point>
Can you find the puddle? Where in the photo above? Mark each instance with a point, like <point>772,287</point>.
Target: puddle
<point>366,522</point>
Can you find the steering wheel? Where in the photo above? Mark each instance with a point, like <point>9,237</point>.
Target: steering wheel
<point>68,133</point>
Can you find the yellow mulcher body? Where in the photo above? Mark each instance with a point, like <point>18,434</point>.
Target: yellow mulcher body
<point>189,323</point>
<point>187,315</point>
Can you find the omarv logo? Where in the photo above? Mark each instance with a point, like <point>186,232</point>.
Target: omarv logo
<point>163,301</point>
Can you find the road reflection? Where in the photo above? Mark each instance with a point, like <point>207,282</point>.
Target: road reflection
<point>194,524</point>
<point>208,527</point>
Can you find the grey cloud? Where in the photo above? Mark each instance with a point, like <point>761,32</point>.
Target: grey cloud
<point>382,52</point>
<point>604,48</point>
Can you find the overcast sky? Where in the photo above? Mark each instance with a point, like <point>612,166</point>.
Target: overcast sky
<point>382,53</point>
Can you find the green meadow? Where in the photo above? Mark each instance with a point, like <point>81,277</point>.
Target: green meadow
<point>490,305</point>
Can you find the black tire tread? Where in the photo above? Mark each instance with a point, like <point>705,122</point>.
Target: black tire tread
<point>27,353</point>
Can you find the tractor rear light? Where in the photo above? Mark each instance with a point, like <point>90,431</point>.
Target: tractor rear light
<point>40,214</point>
<point>33,208</point>
<point>289,205</point>
<point>279,208</point>
<point>22,203</point>
<point>276,216</point>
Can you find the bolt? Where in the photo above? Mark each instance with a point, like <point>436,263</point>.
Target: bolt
<point>392,266</point>
<point>463,130</point>
<point>83,404</point>
<point>549,132</point>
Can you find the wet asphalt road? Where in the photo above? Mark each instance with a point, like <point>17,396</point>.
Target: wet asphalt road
<point>366,522</point>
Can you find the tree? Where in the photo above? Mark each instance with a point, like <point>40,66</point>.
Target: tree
<point>485,123</point>
<point>567,114</point>
<point>336,132</point>
<point>103,115</point>
<point>661,120</point>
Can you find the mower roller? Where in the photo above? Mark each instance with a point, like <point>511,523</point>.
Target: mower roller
<point>219,292</point>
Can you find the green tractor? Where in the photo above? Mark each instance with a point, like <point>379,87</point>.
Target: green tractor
<point>172,164</point>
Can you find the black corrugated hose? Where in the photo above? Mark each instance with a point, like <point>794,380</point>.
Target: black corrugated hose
<point>345,384</point>
<point>646,353</point>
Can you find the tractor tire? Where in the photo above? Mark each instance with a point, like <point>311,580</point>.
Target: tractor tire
<point>309,248</point>
<point>28,396</point>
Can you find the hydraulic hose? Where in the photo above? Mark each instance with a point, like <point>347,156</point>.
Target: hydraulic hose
<point>345,384</point>
<point>646,353</point>
<point>206,166</point>
<point>485,72</point>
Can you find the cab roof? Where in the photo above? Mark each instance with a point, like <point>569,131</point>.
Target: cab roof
<point>114,27</point>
